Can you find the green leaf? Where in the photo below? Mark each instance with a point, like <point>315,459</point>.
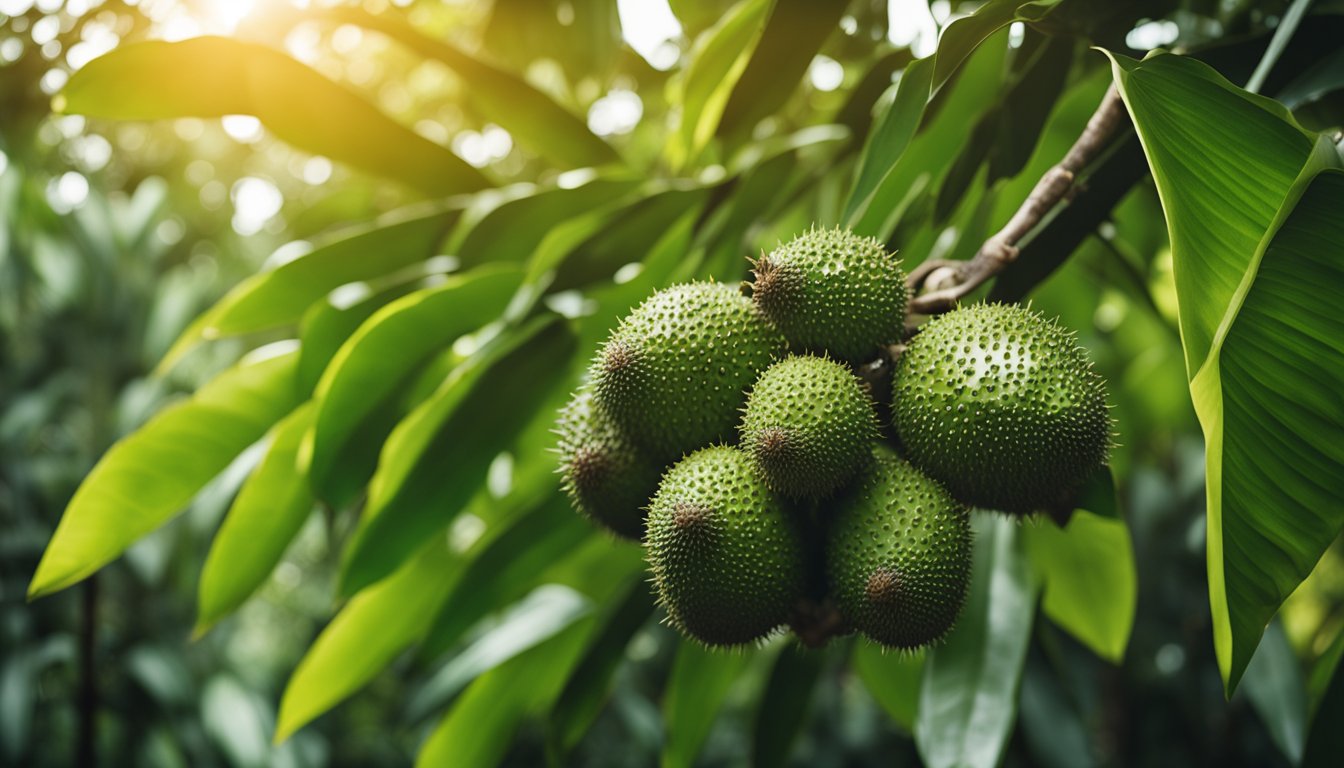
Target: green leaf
<point>388,348</point>
<point>1254,228</point>
<point>893,679</point>
<point>784,703</point>
<point>717,61</point>
<point>921,79</point>
<point>792,37</point>
<point>1325,741</point>
<point>506,566</point>
<point>268,512</point>
<point>376,625</point>
<point>150,475</point>
<point>696,688</point>
<point>587,689</point>
<point>479,728</point>
<point>547,611</point>
<point>1091,588</point>
<point>968,700</point>
<point>216,76</point>
<point>1282,34</point>
<point>1274,684</point>
<point>436,458</point>
<point>532,117</point>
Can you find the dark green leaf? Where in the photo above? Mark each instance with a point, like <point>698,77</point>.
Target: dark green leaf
<point>792,36</point>
<point>586,690</point>
<point>1282,34</point>
<point>216,76</point>
<point>149,476</point>
<point>437,457</point>
<point>1091,588</point>
<point>388,348</point>
<point>1325,741</point>
<point>698,684</point>
<point>1253,221</point>
<point>784,704</point>
<point>968,700</point>
<point>267,514</point>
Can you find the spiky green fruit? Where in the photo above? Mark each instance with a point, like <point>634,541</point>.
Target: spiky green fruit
<point>898,555</point>
<point>831,290</point>
<point>808,426</point>
<point>675,372</point>
<point>605,474</point>
<point>727,562</point>
<point>1002,406</point>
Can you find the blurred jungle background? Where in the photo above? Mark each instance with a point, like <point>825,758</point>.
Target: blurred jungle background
<point>115,235</point>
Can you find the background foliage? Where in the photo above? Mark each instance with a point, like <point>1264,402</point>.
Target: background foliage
<point>334,463</point>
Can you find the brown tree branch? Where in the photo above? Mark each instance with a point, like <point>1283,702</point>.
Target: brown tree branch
<point>957,279</point>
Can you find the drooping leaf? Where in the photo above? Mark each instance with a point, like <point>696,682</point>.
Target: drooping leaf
<point>502,97</point>
<point>717,61</point>
<point>1254,227</point>
<point>376,625</point>
<point>587,688</point>
<point>1275,687</point>
<point>479,727</point>
<point>150,475</point>
<point>1089,580</point>
<point>968,700</point>
<point>269,511</point>
<point>698,684</point>
<point>793,34</point>
<point>1050,722</point>
<point>437,457</point>
<point>1325,740</point>
<point>388,347</point>
<point>216,76</point>
<point>893,679</point>
<point>921,79</point>
<point>784,704</point>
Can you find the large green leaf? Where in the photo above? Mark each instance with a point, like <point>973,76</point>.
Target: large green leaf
<point>388,348</point>
<point>921,79</point>
<point>376,625</point>
<point>968,700</point>
<point>700,680</point>
<point>268,512</point>
<point>893,679</point>
<point>149,476</point>
<point>1275,687</point>
<point>1088,574</point>
<point>438,456</point>
<point>717,62</point>
<point>1255,230</point>
<point>216,76</point>
<point>500,96</point>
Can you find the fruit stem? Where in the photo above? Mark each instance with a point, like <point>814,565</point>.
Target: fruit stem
<point>949,281</point>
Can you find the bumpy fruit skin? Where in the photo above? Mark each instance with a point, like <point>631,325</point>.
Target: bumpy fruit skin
<point>808,426</point>
<point>675,372</point>
<point>605,474</point>
<point>831,290</point>
<point>727,562</point>
<point>898,555</point>
<point>1002,406</point>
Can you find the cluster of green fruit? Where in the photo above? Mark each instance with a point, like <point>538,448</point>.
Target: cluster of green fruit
<point>739,425</point>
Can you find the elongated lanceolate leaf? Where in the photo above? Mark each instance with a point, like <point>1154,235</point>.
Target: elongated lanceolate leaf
<point>1253,212</point>
<point>893,679</point>
<point>389,346</point>
<point>216,76</point>
<point>153,473</point>
<point>700,680</point>
<point>268,512</point>
<point>968,701</point>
